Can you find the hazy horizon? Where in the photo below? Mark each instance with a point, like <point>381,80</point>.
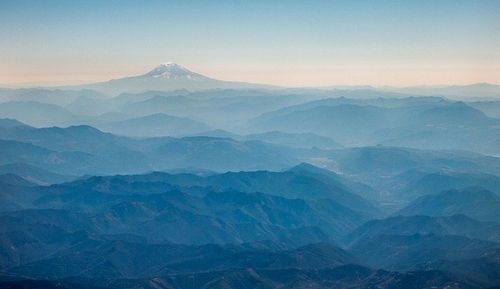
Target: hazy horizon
<point>70,83</point>
<point>291,44</point>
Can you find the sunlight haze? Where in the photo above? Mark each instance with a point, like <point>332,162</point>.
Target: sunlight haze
<point>286,43</point>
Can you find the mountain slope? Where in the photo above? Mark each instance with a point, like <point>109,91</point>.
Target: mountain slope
<point>409,225</point>
<point>34,174</point>
<point>425,124</point>
<point>167,76</point>
<point>59,162</point>
<point>476,203</point>
<point>347,276</point>
<point>82,138</point>
<point>37,114</point>
<point>293,206</point>
<point>297,140</point>
<point>419,182</point>
<point>337,122</point>
<point>217,217</point>
<point>119,259</point>
<point>224,154</point>
<point>159,124</point>
<point>295,184</point>
<point>10,123</point>
<point>160,153</point>
<point>409,252</point>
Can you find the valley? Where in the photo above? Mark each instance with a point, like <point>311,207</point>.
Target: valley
<point>175,180</point>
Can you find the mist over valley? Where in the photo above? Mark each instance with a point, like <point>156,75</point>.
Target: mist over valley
<point>176,180</point>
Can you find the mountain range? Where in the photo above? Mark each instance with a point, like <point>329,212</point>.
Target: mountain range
<point>170,76</point>
<point>171,179</point>
<point>159,224</point>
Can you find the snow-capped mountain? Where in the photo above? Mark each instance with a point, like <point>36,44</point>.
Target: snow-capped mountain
<point>172,70</point>
<point>168,76</point>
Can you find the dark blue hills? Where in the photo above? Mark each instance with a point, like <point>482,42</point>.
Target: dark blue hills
<point>322,206</point>
<point>228,188</point>
<point>409,252</point>
<point>459,225</point>
<point>474,202</point>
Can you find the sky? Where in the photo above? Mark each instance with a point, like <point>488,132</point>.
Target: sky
<point>287,43</point>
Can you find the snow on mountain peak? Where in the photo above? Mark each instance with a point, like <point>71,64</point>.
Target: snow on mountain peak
<point>172,70</point>
<point>169,64</point>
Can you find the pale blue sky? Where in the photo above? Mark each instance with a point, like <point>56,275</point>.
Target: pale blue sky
<point>290,43</point>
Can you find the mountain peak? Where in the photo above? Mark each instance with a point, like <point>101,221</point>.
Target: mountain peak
<point>172,70</point>
<point>169,65</point>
